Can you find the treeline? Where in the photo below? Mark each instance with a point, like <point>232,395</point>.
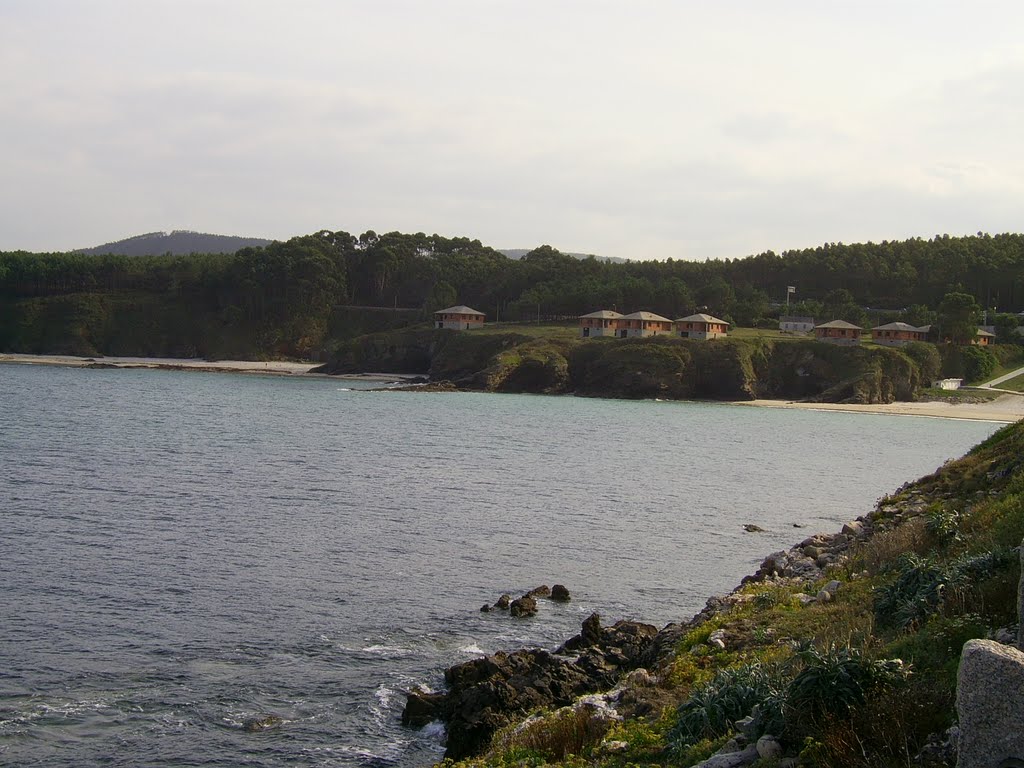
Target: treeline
<point>289,298</point>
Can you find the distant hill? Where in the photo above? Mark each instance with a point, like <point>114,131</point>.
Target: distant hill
<point>518,253</point>
<point>179,242</point>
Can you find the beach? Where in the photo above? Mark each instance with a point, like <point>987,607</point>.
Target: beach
<point>1006,409</point>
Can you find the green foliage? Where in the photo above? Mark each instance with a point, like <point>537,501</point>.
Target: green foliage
<point>927,359</point>
<point>978,363</point>
<point>958,317</point>
<point>731,694</point>
<point>835,681</point>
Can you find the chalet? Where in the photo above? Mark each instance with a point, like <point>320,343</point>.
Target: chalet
<point>460,318</point>
<point>604,322</point>
<point>838,332</point>
<point>701,326</point>
<point>639,324</point>
<point>984,338</point>
<point>796,324</point>
<point>897,334</point>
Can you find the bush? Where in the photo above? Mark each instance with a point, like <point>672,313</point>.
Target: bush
<point>926,356</point>
<point>730,695</point>
<point>978,363</point>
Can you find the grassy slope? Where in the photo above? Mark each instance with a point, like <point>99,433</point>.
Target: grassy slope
<point>953,521</point>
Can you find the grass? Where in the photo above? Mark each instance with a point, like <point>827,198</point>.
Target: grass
<point>958,395</point>
<point>1016,385</point>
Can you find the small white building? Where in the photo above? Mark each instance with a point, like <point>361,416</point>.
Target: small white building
<point>947,383</point>
<point>796,324</point>
<point>460,318</point>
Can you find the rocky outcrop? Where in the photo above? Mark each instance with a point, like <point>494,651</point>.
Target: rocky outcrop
<point>486,694</point>
<point>990,702</point>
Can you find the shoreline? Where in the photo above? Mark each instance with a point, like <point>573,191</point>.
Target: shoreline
<point>264,367</point>
<point>1006,409</point>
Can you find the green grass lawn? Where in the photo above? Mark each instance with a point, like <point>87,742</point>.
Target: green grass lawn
<point>1017,384</point>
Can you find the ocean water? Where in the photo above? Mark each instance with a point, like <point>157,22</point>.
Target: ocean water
<point>183,552</point>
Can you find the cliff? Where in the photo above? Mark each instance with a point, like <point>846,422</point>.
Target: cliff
<point>661,367</point>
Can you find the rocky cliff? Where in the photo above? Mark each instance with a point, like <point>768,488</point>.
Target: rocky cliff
<point>724,369</point>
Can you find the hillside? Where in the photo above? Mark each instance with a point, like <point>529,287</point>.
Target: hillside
<point>180,242</point>
<point>842,652</point>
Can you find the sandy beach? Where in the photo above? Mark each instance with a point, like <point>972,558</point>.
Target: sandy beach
<point>270,367</point>
<point>1005,409</point>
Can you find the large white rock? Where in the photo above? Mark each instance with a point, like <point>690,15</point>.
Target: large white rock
<point>990,703</point>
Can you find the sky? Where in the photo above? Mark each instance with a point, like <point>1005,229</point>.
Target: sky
<point>646,129</point>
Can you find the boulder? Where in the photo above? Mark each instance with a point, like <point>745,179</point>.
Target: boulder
<point>730,759</point>
<point>503,602</point>
<point>421,707</point>
<point>523,606</point>
<point>769,748</point>
<point>265,723</point>
<point>542,591</point>
<point>751,528</point>
<point>560,594</point>
<point>990,704</point>
<point>485,608</point>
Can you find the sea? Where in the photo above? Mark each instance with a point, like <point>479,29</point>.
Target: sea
<point>183,553</point>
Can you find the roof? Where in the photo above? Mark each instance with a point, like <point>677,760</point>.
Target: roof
<point>899,327</point>
<point>840,324</point>
<point>796,319</point>
<point>606,314</point>
<point>983,332</point>
<point>645,316</point>
<point>700,317</point>
<point>462,309</point>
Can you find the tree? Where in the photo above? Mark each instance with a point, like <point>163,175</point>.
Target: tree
<point>958,317</point>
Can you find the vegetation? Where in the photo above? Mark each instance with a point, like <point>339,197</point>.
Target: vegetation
<point>295,298</point>
<point>864,678</point>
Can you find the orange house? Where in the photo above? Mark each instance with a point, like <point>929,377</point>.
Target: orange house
<point>701,326</point>
<point>604,322</point>
<point>897,334</point>
<point>838,332</point>
<point>460,318</point>
<point>640,324</point>
<point>984,338</point>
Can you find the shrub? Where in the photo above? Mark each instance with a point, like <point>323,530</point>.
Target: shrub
<point>730,695</point>
<point>834,682</point>
<point>978,363</point>
<point>926,356</point>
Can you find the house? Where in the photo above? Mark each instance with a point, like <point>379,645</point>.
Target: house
<point>838,332</point>
<point>639,324</point>
<point>984,338</point>
<point>796,324</point>
<point>947,383</point>
<point>604,322</point>
<point>701,326</point>
<point>897,334</point>
<point>460,318</point>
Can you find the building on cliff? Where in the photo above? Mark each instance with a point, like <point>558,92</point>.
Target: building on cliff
<point>838,332</point>
<point>897,334</point>
<point>701,326</point>
<point>642,324</point>
<point>604,322</point>
<point>460,318</point>
<point>796,324</point>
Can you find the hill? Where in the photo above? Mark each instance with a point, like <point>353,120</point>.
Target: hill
<point>180,242</point>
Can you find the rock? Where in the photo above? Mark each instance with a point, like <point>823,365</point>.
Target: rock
<point>751,528</point>
<point>787,762</point>
<point>1006,636</point>
<point>768,747</point>
<point>421,707</point>
<point>523,606</point>
<point>503,602</point>
<point>560,594</point>
<point>265,723</point>
<point>1020,602</point>
<point>730,759</point>
<point>833,586</point>
<point>804,599</point>
<point>811,551</point>
<point>990,704</point>
<point>542,591</point>
<point>747,726</point>
<point>614,747</point>
<point>591,631</point>
<point>485,608</point>
<point>717,639</point>
<point>854,528</point>
<point>823,596</point>
<point>797,525</point>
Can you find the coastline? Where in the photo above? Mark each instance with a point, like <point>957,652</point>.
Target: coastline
<point>265,367</point>
<point>1006,409</point>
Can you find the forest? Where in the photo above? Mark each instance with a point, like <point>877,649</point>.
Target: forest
<point>294,298</point>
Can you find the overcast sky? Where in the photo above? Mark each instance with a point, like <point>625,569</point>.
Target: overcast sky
<point>642,129</point>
